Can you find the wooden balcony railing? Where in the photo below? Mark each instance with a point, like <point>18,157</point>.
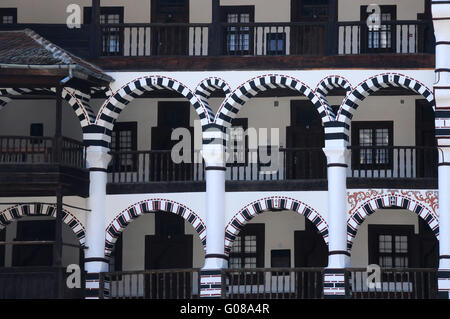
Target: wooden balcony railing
<point>269,283</point>
<point>151,166</point>
<point>313,38</point>
<point>403,283</point>
<point>393,162</point>
<point>151,284</point>
<point>272,283</point>
<point>386,162</point>
<point>40,150</point>
<point>287,164</point>
<point>401,37</point>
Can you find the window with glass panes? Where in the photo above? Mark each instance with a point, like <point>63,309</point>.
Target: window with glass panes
<point>124,139</point>
<point>380,38</point>
<point>238,39</point>
<point>248,247</point>
<point>390,245</point>
<point>8,15</point>
<point>374,140</point>
<point>112,37</point>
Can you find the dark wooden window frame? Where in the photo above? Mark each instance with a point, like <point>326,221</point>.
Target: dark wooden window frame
<point>356,126</point>
<point>241,122</point>
<point>87,12</point>
<point>8,12</point>
<point>276,36</point>
<point>392,9</point>
<point>126,126</point>
<point>257,230</point>
<point>224,11</point>
<point>393,230</point>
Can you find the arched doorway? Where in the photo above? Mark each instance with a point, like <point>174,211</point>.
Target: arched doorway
<point>160,255</point>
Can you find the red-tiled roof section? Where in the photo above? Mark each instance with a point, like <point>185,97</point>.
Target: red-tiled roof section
<point>25,47</point>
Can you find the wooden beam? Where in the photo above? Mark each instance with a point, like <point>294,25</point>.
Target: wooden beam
<point>95,40</point>
<point>362,61</point>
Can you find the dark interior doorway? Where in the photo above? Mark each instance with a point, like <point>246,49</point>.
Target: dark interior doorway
<point>426,156</point>
<point>308,39</point>
<point>170,40</point>
<point>169,248</point>
<point>310,250</point>
<point>305,137</point>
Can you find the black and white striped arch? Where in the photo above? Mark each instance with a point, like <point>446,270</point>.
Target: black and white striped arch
<point>100,133</point>
<point>208,87</point>
<point>16,212</point>
<point>389,200</point>
<point>147,206</point>
<point>368,87</point>
<point>267,204</point>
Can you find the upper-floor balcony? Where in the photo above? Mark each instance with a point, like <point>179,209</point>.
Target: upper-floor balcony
<point>305,35</point>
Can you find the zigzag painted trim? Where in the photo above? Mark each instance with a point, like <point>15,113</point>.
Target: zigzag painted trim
<point>265,204</point>
<point>146,206</point>
<point>39,209</point>
<point>384,201</point>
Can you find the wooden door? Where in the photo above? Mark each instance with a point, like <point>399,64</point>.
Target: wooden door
<point>170,40</point>
<point>169,248</point>
<point>310,250</point>
<point>308,39</point>
<point>426,159</point>
<point>305,137</point>
<point>171,115</point>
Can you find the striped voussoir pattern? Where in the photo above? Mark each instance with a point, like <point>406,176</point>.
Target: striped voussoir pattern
<point>78,100</point>
<point>146,206</point>
<point>236,99</point>
<point>207,87</point>
<point>330,83</point>
<point>385,201</point>
<point>115,104</point>
<point>42,209</point>
<point>371,85</point>
<point>269,203</point>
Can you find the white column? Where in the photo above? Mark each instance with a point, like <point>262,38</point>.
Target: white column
<point>338,256</point>
<point>337,159</point>
<point>441,21</point>
<point>215,258</point>
<point>444,207</point>
<point>97,160</point>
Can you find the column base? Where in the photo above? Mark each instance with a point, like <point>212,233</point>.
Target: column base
<point>211,283</point>
<point>93,288</point>
<point>444,283</point>
<point>334,286</point>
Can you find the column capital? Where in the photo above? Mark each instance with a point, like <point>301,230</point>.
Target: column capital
<point>214,155</point>
<point>97,157</point>
<point>337,155</point>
